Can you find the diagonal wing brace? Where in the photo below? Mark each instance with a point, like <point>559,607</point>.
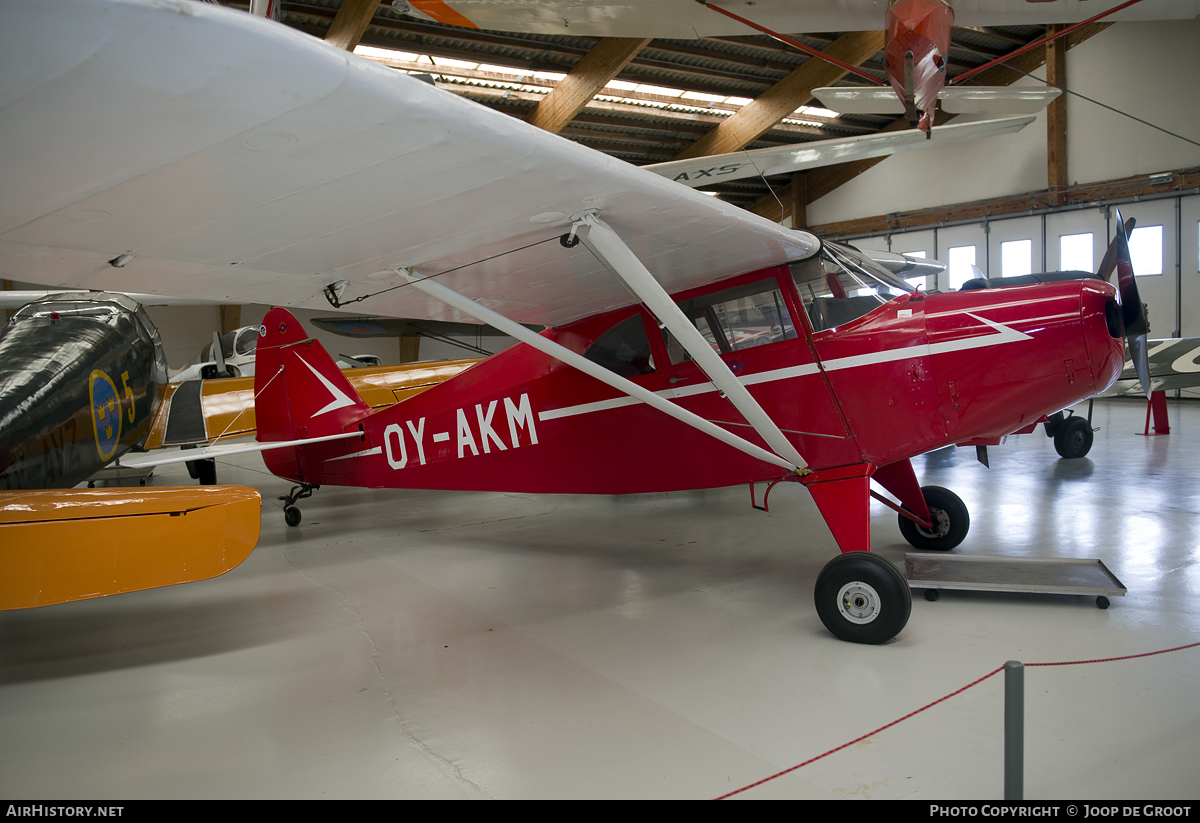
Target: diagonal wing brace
<point>578,361</point>
<point>612,250</point>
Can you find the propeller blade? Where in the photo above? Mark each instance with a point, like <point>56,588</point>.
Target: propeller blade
<point>218,355</point>
<point>1141,360</point>
<point>1108,263</point>
<point>1133,310</point>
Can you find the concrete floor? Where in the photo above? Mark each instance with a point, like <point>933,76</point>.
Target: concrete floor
<point>452,645</point>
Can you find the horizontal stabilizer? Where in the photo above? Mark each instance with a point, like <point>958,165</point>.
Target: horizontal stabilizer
<point>997,99</point>
<point>75,544</point>
<point>955,99</point>
<point>868,100</point>
<point>149,460</point>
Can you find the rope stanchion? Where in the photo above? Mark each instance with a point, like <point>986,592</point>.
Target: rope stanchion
<point>973,683</point>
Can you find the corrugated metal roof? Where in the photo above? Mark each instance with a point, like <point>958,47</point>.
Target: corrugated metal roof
<point>639,128</point>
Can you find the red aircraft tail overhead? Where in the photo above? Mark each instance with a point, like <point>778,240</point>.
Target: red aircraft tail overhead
<point>299,392</point>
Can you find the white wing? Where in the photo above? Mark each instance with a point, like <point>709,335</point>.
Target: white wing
<point>702,171</point>
<point>239,160</point>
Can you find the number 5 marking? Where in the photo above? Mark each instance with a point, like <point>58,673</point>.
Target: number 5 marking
<point>128,393</point>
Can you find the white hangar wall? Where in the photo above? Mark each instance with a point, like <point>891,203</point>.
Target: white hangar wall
<point>1149,70</point>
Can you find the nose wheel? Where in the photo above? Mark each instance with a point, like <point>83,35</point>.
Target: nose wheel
<point>862,598</point>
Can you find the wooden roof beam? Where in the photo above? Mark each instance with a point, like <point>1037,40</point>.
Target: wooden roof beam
<point>350,23</point>
<point>789,94</point>
<point>1056,119</point>
<point>597,68</point>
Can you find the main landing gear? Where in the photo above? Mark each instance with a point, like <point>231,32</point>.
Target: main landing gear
<point>291,514</point>
<point>950,518</point>
<point>862,598</point>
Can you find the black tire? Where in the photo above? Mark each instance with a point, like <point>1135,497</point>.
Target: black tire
<point>951,521</point>
<point>932,595</point>
<point>862,598</point>
<point>1101,602</point>
<point>206,471</point>
<point>291,515</point>
<point>1073,438</point>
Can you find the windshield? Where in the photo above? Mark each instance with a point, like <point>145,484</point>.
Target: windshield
<point>841,284</point>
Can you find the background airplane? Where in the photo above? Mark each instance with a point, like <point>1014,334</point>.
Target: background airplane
<point>916,48</point>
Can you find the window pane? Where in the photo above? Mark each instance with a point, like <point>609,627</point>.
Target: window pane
<point>737,318</point>
<point>962,265</point>
<point>1075,252</point>
<point>1145,249</point>
<point>623,349</point>
<point>247,341</point>
<point>1016,258</point>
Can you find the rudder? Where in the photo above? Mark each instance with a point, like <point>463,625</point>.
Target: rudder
<point>299,391</point>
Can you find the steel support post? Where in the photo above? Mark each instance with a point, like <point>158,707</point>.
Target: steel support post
<point>1014,730</point>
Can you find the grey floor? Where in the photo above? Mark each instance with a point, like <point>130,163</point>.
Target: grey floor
<point>434,644</point>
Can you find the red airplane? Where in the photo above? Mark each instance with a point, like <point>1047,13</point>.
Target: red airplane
<point>689,344</point>
<point>570,410</point>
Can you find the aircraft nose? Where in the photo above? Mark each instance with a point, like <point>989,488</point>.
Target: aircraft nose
<point>1103,331</point>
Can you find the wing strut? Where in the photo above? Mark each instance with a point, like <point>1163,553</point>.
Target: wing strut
<point>612,250</point>
<point>578,361</point>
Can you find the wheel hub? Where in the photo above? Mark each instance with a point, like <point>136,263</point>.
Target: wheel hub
<point>941,524</point>
<point>858,602</point>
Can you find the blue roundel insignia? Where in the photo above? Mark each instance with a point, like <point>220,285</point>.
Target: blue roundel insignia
<point>106,414</point>
<point>262,331</point>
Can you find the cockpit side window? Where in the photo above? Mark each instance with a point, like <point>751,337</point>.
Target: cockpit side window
<point>624,349</point>
<point>738,318</point>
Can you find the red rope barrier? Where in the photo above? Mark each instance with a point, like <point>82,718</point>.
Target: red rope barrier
<point>992,673</point>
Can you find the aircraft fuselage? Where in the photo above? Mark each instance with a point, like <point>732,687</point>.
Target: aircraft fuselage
<point>80,382</point>
<point>916,373</point>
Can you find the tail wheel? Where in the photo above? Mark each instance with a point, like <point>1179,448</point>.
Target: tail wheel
<point>862,598</point>
<point>1073,438</point>
<point>291,515</point>
<point>951,521</point>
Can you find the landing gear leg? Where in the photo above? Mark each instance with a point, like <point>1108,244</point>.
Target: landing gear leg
<point>862,598</point>
<point>291,514</point>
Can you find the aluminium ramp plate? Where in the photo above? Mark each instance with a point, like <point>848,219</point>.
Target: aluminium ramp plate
<point>1040,575</point>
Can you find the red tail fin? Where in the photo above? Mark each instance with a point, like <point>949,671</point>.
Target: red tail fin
<point>298,390</point>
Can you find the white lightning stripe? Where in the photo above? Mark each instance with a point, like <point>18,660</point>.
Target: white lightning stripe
<point>340,400</point>
<point>587,408</point>
<point>1005,334</point>
<point>363,453</point>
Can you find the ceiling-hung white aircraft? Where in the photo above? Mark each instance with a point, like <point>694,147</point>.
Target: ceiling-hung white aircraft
<point>188,149</point>
<point>689,19</point>
<point>916,51</point>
